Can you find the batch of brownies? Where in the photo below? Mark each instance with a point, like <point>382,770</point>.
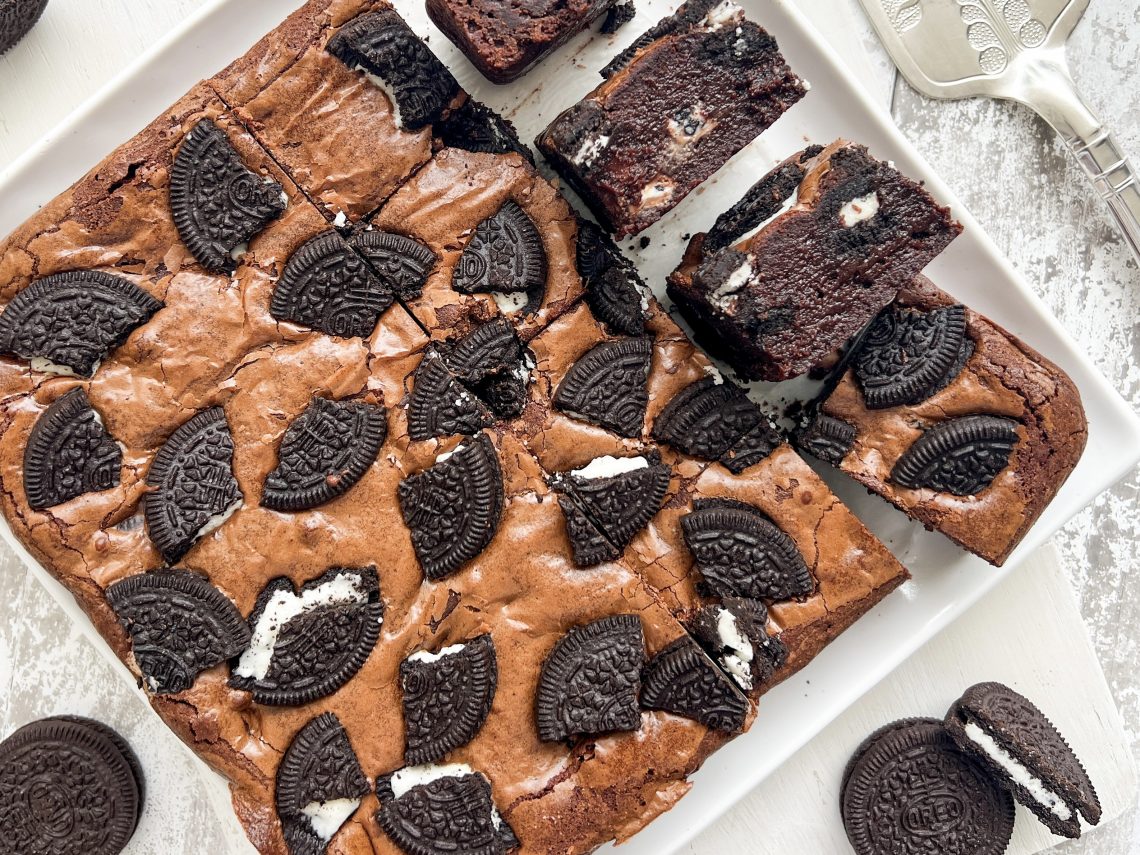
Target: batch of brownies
<point>416,515</point>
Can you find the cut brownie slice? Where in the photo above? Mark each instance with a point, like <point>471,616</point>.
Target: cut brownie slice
<point>504,39</point>
<point>955,421</point>
<point>696,89</point>
<point>806,259</point>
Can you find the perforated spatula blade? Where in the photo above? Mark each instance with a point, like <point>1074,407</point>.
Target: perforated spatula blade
<point>1015,50</point>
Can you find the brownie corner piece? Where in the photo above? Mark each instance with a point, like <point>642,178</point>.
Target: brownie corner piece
<point>696,89</point>
<point>504,39</point>
<point>806,259</point>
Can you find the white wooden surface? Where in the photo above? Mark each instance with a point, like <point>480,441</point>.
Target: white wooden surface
<point>1006,166</point>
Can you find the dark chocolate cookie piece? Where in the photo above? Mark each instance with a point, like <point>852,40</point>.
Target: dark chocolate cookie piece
<point>507,394</point>
<point>327,286</point>
<point>489,349</point>
<point>615,292</point>
<point>446,815</point>
<point>401,262</point>
<point>961,456</point>
<point>752,448</point>
<point>909,791</point>
<point>305,644</point>
<point>826,437</point>
<point>476,127</point>
<point>67,789</point>
<point>1006,732</point>
<point>590,545</point>
<point>453,509</point>
<point>504,256</point>
<point>741,552</point>
<point>710,419</point>
<point>324,452</point>
<point>590,681</point>
<point>17,17</point>
<point>619,14</point>
<point>440,405</point>
<point>608,387</point>
<point>908,355</point>
<point>319,768</point>
<point>71,321</point>
<point>683,680</point>
<point>217,202</point>
<point>193,484</point>
<point>735,634</point>
<point>380,43</point>
<point>69,453</point>
<point>179,625</point>
<point>447,697</point>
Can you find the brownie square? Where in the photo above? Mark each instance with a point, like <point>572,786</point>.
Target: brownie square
<point>688,95</point>
<point>954,420</point>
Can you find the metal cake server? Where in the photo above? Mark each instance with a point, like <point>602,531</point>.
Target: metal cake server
<point>1015,50</point>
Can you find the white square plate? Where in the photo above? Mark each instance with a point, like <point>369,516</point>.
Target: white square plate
<point>946,580</point>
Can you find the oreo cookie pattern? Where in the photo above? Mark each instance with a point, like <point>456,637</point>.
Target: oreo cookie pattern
<point>828,438</point>
<point>447,697</point>
<point>440,405</point>
<point>683,680</point>
<point>68,788</point>
<point>179,625</point>
<point>324,452</point>
<point>381,44</point>
<point>961,456</point>
<point>194,489</point>
<point>403,264</point>
<point>218,203</point>
<point>69,453</point>
<point>504,256</point>
<point>615,292</point>
<point>453,508</point>
<point>607,386</point>
<point>305,644</point>
<point>908,789</point>
<point>742,553</point>
<point>476,127</point>
<point>319,785</point>
<point>67,323</point>
<point>908,355</point>
<point>590,681</point>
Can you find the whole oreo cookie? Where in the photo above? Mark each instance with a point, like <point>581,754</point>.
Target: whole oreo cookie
<point>68,786</point>
<point>1006,732</point>
<point>683,680</point>
<point>217,202</point>
<point>961,456</point>
<point>909,791</point>
<point>607,386</point>
<point>504,256</point>
<point>69,453</point>
<point>67,323</point>
<point>590,681</point>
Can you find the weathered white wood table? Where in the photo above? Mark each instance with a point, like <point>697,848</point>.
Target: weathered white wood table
<point>1002,162</point>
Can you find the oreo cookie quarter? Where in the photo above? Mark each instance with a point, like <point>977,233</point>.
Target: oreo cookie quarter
<point>505,255</point>
<point>909,790</point>
<point>608,387</point>
<point>69,453</point>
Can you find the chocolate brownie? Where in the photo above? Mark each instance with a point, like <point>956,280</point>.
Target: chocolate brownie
<point>504,39</point>
<point>954,420</point>
<point>693,91</point>
<point>806,259</point>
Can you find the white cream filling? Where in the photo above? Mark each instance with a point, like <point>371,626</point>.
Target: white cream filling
<point>340,220</point>
<point>283,606</point>
<point>441,457</point>
<point>425,656</point>
<point>326,818</point>
<point>733,283</point>
<point>382,84</point>
<point>589,151</point>
<point>723,14</point>
<point>216,520</point>
<point>738,662</point>
<point>414,776</point>
<point>657,192</point>
<point>510,303</point>
<point>42,363</point>
<point>859,210</point>
<point>1018,773</point>
<point>714,373</point>
<point>789,203</point>
<point>607,466</point>
<point>239,251</point>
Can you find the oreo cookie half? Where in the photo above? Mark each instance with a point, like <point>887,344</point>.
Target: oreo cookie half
<point>305,644</point>
<point>607,386</point>
<point>504,256</point>
<point>193,486</point>
<point>734,633</point>
<point>740,552</point>
<point>1005,732</point>
<point>69,453</point>
<point>68,322</point>
<point>615,292</point>
<point>217,202</point>
<point>324,452</point>
<point>319,785</point>
<point>683,680</point>
<point>179,624</point>
<point>909,791</point>
<point>442,810</point>
<point>381,44</point>
<point>447,697</point>
<point>590,681</point>
<point>961,456</point>
<point>69,786</point>
<point>402,263</point>
<point>453,509</point>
